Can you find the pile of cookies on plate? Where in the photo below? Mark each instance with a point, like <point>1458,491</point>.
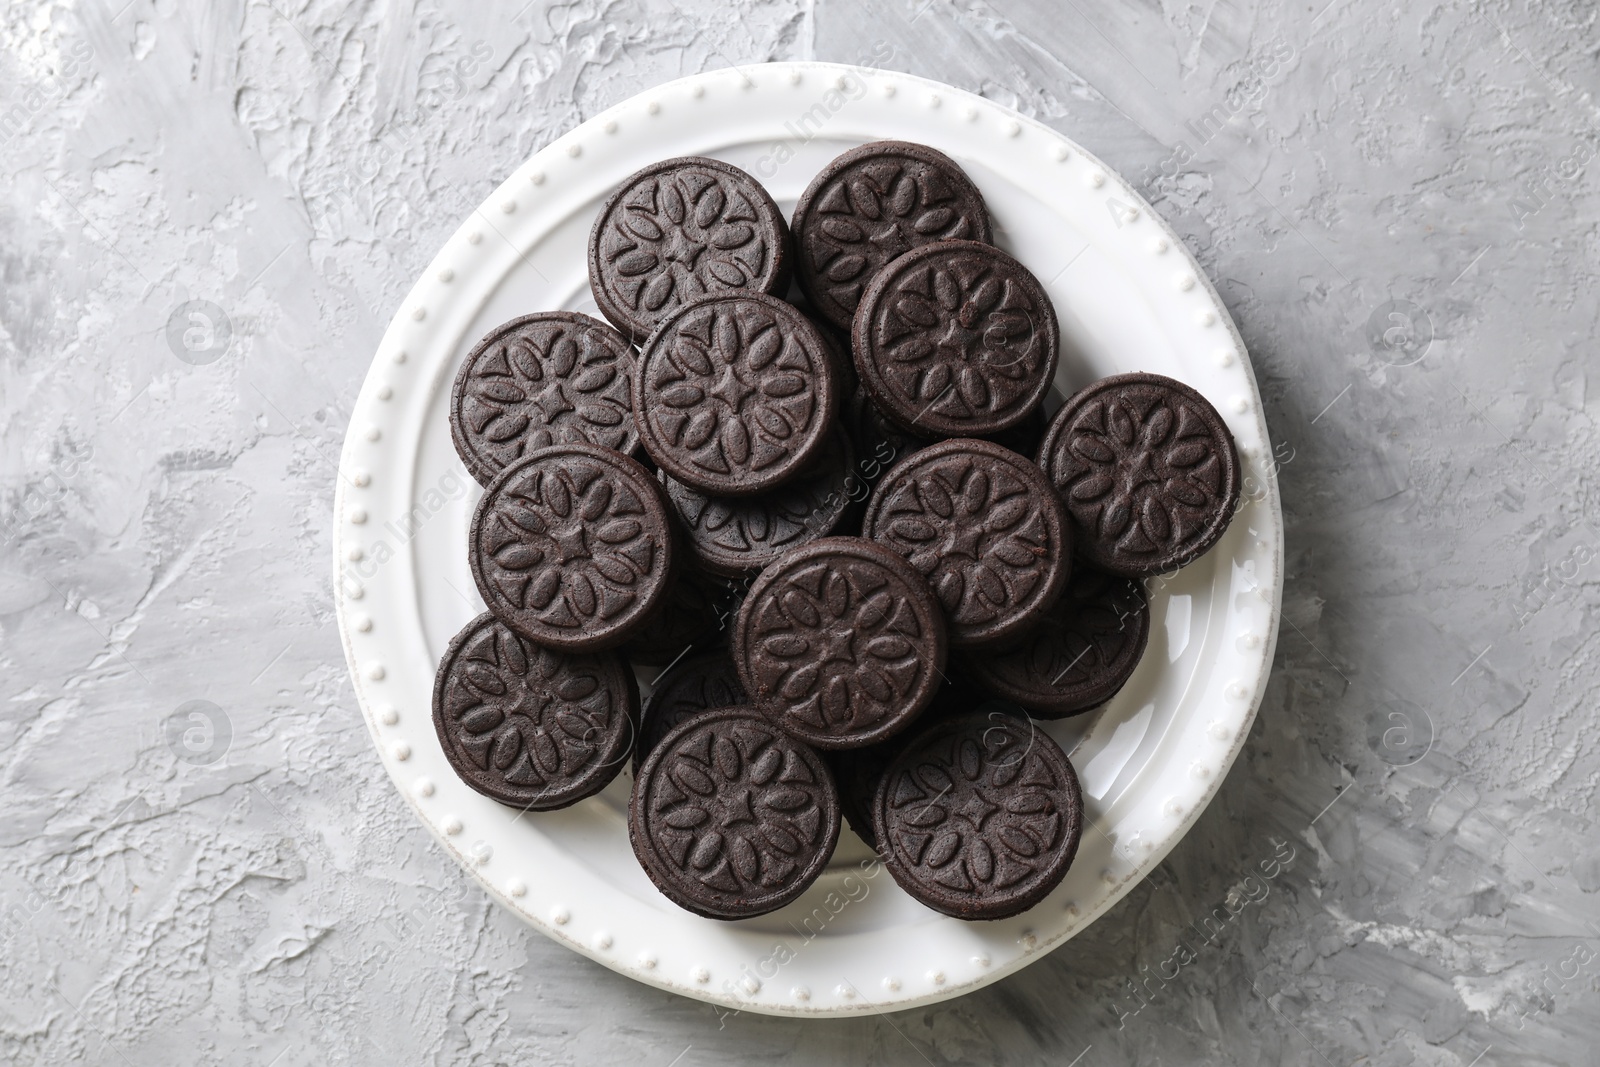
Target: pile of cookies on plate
<point>838,531</point>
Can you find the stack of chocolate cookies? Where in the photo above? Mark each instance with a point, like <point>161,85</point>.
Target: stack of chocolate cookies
<point>843,523</point>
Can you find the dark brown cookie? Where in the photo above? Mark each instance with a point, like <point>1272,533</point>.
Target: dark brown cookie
<point>702,682</point>
<point>529,726</point>
<point>841,643</point>
<point>554,378</point>
<point>734,395</point>
<point>688,615</point>
<point>1079,655</point>
<point>979,817</point>
<point>733,536</point>
<point>956,339</point>
<point>679,230</point>
<point>731,817</point>
<point>985,528</point>
<point>572,546</point>
<point>1147,470</point>
<point>870,205</point>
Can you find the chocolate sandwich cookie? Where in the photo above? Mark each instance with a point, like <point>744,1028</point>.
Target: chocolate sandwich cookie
<point>734,536</point>
<point>1079,655</point>
<point>688,615</point>
<point>696,684</point>
<point>730,817</point>
<point>870,205</point>
<point>979,817</point>
<point>529,726</point>
<point>984,527</point>
<point>956,339</point>
<point>840,643</point>
<point>734,394</point>
<point>554,378</point>
<point>1147,470</point>
<point>679,230</point>
<point>572,547</point>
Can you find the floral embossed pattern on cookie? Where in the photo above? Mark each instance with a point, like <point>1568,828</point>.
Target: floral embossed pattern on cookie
<point>549,379</point>
<point>1147,469</point>
<point>955,339</point>
<point>572,547</point>
<point>679,230</point>
<point>840,643</point>
<point>870,205</point>
<point>979,817</point>
<point>735,394</point>
<point>527,726</point>
<point>732,818</point>
<point>984,527</point>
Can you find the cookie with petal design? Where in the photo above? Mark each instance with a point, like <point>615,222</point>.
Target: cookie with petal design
<point>979,817</point>
<point>1147,469</point>
<point>870,205</point>
<point>529,726</point>
<point>696,684</point>
<point>572,546</point>
<point>840,643</point>
<point>956,339</point>
<point>734,536</point>
<point>679,230</point>
<point>984,527</point>
<point>730,817</point>
<point>554,378</point>
<point>735,395</point>
<point>1079,655</point>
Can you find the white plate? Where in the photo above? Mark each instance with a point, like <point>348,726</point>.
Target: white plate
<point>1130,297</point>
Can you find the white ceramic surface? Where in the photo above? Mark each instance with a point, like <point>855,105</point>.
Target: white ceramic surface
<point>1129,296</point>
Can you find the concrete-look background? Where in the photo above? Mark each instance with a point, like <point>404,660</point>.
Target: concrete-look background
<point>1396,202</point>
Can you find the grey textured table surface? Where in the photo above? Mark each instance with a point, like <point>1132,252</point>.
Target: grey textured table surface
<point>1393,199</point>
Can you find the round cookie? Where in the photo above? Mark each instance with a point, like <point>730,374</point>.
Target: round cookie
<point>956,339</point>
<point>689,614</point>
<point>985,528</point>
<point>1079,655</point>
<point>554,378</point>
<point>679,230</point>
<point>572,547</point>
<point>979,817</point>
<point>730,817</point>
<point>840,643</point>
<point>697,684</point>
<point>529,726</point>
<point>1147,470</point>
<point>734,536</point>
<point>870,205</point>
<point>734,395</point>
